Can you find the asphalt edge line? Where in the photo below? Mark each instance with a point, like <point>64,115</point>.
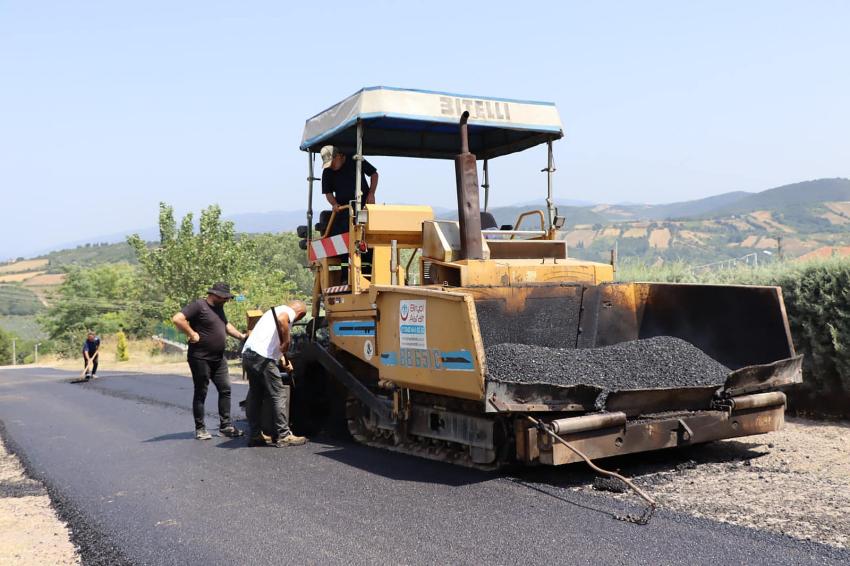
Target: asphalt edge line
<point>93,545</point>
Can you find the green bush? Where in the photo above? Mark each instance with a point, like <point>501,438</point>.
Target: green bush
<point>5,347</point>
<point>121,352</point>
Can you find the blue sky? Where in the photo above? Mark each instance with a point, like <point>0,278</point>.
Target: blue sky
<point>107,108</point>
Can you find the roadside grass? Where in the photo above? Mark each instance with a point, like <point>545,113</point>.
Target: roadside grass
<point>145,356</point>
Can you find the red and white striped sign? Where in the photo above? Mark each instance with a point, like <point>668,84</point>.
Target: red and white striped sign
<point>329,247</point>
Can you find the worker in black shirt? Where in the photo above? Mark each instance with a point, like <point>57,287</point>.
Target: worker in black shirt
<point>339,179</point>
<point>204,322</point>
<point>91,353</point>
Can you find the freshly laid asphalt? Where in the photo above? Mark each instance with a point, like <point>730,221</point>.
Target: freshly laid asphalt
<point>120,462</point>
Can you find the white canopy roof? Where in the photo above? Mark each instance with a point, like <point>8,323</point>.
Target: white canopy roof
<point>419,123</point>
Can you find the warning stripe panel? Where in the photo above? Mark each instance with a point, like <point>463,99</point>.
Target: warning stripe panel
<point>329,247</point>
<point>337,289</point>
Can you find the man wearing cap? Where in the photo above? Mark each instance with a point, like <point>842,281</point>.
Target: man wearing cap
<point>204,322</point>
<point>266,344</point>
<point>339,178</point>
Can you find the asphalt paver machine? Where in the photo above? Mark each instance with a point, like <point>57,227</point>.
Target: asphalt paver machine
<point>402,353</point>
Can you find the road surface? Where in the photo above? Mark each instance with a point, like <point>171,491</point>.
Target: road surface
<point>119,459</point>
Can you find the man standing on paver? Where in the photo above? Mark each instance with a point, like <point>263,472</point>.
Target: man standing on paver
<point>90,354</point>
<point>339,179</point>
<point>267,342</point>
<point>204,322</point>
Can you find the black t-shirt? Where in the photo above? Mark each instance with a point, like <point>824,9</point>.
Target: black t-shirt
<point>91,346</point>
<point>342,183</point>
<point>211,325</point>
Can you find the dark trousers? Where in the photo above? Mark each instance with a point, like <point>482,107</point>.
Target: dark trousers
<point>93,366</point>
<point>265,383</point>
<point>204,371</point>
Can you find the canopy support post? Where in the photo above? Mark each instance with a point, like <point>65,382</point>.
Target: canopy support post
<point>355,260</point>
<point>486,185</point>
<point>550,169</point>
<point>358,160</point>
<point>311,176</point>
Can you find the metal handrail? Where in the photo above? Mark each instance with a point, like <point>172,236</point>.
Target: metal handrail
<point>531,213</point>
<point>333,217</point>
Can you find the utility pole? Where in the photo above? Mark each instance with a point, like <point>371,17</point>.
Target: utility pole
<point>36,353</point>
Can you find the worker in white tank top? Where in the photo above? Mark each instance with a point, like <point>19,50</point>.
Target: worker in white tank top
<point>267,342</point>
<point>264,338</point>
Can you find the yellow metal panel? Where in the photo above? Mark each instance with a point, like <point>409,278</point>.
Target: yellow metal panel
<point>381,257</point>
<point>449,360</point>
<point>354,333</point>
<point>396,219</point>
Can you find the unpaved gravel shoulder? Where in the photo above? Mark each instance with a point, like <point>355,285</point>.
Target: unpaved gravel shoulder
<point>794,482</point>
<point>30,531</point>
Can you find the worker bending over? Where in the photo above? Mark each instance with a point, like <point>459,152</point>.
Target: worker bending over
<point>267,344</point>
<point>91,349</point>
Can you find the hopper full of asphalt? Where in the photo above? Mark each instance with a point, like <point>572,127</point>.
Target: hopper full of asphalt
<point>658,362</point>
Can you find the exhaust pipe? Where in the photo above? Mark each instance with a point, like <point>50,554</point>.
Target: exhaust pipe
<point>468,206</point>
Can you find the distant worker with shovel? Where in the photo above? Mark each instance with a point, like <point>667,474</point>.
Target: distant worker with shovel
<point>204,322</point>
<point>265,348</point>
<point>91,349</point>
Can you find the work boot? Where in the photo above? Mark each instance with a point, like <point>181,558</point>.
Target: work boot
<point>290,440</point>
<point>259,440</point>
<point>202,434</point>
<point>230,431</point>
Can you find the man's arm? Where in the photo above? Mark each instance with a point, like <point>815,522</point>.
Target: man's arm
<point>182,325</point>
<point>231,330</point>
<point>373,187</point>
<point>283,327</point>
<point>332,201</point>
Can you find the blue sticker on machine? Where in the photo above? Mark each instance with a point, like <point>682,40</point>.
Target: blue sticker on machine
<point>354,328</point>
<point>389,359</point>
<point>460,360</point>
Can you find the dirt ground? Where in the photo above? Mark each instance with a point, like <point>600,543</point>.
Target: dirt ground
<point>30,531</point>
<point>795,482</point>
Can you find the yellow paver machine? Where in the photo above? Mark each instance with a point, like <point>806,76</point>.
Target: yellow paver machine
<point>479,344</point>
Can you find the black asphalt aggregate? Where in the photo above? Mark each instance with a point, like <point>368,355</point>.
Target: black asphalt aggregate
<point>118,455</point>
<point>663,361</point>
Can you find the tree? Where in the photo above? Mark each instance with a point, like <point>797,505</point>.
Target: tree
<point>186,263</point>
<point>103,298</point>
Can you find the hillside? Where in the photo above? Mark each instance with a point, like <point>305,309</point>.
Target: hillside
<point>790,221</point>
<point>787,196</point>
<point>684,209</point>
<point>797,218</point>
<point>89,255</point>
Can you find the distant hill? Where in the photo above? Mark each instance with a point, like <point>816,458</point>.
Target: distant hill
<point>89,255</point>
<point>781,198</point>
<point>803,216</point>
<point>670,211</point>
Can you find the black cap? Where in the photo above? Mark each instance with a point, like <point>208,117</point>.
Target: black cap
<point>221,289</point>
